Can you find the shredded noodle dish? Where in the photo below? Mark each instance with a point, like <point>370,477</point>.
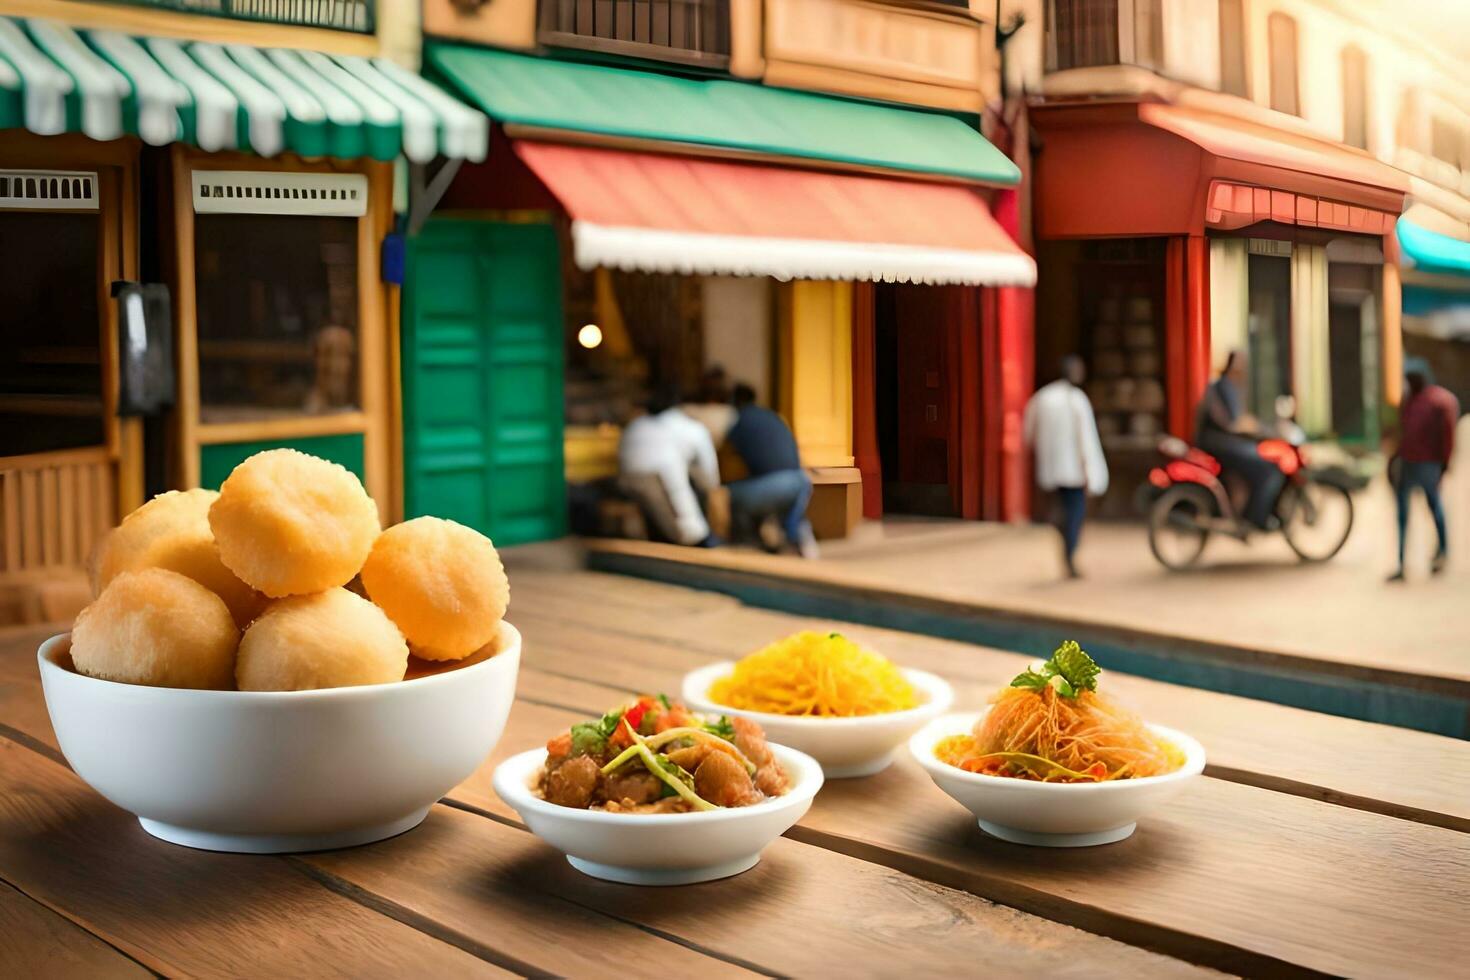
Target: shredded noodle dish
<point>821,674</point>
<point>1052,724</point>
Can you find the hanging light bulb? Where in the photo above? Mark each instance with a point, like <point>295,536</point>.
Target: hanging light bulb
<point>589,336</point>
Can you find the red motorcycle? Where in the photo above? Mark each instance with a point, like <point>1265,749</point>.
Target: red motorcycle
<point>1191,501</point>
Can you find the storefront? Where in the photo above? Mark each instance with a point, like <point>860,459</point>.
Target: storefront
<point>1435,269</point>
<point>1172,236</point>
<point>256,185</point>
<point>695,223</point>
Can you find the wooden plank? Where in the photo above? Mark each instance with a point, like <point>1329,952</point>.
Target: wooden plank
<point>37,942</point>
<point>495,886</point>
<point>86,526</point>
<point>1431,774</point>
<point>180,911</point>
<point>50,524</point>
<point>10,535</point>
<point>30,519</point>
<point>1228,876</point>
<point>66,505</point>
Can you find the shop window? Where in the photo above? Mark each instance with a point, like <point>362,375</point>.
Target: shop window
<point>1354,97</point>
<point>1281,40</point>
<point>276,302</point>
<point>1269,325</point>
<point>1083,33</point>
<point>690,32</point>
<point>1232,48</point>
<point>50,355</point>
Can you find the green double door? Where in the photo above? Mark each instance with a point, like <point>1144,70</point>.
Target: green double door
<point>482,378</point>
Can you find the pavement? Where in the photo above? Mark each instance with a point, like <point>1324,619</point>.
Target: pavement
<point>1256,595</point>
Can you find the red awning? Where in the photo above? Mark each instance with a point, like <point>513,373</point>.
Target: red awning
<point>1155,168</point>
<point>666,213</point>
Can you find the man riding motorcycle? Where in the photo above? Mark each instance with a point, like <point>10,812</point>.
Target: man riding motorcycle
<point>1224,430</point>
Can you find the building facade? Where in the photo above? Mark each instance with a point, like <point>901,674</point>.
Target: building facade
<point>799,192</point>
<point>1213,175</point>
<point>193,217</point>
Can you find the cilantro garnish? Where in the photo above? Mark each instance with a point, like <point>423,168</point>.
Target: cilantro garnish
<point>1069,671</point>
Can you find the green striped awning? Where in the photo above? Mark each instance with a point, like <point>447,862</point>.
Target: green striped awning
<point>57,79</point>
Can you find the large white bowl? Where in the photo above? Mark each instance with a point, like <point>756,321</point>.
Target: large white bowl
<point>277,771</point>
<point>1024,811</point>
<point>846,747</point>
<point>659,848</point>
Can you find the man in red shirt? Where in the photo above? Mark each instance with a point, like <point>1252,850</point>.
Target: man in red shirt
<point>1426,441</point>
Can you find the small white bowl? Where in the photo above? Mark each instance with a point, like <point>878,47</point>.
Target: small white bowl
<point>846,747</point>
<point>277,771</point>
<point>659,848</point>
<point>1024,811</point>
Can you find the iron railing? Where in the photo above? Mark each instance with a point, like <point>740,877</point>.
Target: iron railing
<point>340,15</point>
<point>689,32</point>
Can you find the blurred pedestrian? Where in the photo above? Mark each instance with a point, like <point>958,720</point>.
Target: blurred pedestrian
<point>663,456</point>
<point>1062,433</point>
<point>778,487</point>
<point>1427,420</point>
<point>1225,430</point>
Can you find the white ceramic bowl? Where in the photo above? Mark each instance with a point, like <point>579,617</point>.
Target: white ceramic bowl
<point>845,747</point>
<point>268,771</point>
<point>1024,811</point>
<point>659,848</point>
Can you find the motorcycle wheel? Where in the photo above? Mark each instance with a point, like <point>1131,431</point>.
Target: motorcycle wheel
<point>1316,519</point>
<point>1176,531</point>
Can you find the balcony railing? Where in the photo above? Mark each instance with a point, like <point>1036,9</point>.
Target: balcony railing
<point>687,32</point>
<point>340,15</point>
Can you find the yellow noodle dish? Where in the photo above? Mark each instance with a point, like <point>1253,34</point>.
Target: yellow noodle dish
<point>815,674</point>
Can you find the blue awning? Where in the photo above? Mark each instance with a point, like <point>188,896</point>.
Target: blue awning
<point>1432,252</point>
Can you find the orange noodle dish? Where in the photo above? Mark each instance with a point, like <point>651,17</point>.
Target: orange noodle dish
<point>1052,725</point>
<point>655,756</point>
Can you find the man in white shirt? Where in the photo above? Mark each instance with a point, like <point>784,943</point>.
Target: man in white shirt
<point>1062,433</point>
<point>662,456</point>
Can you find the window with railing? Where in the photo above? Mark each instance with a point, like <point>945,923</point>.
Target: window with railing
<point>1087,33</point>
<point>342,15</point>
<point>688,32</point>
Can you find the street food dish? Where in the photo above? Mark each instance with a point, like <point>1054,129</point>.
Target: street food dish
<point>848,707</point>
<point>652,846</point>
<point>288,524</point>
<point>328,639</point>
<point>441,582</point>
<point>1052,724</point>
<point>156,627</point>
<point>275,771</point>
<point>654,756</point>
<point>336,598</point>
<point>172,531</point>
<point>816,675</point>
<point>1054,763</point>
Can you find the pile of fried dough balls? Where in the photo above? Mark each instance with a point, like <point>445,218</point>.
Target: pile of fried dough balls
<point>261,586</point>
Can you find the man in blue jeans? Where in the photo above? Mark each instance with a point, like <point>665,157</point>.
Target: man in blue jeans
<point>1426,441</point>
<point>777,486</point>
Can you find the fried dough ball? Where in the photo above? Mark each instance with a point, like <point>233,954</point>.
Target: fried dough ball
<point>291,524</point>
<point>441,582</point>
<point>327,639</point>
<point>172,531</point>
<point>157,627</point>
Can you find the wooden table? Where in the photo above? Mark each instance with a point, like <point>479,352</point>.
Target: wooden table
<point>1347,854</point>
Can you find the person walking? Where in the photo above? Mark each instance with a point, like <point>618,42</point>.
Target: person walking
<point>778,486</point>
<point>1426,441</point>
<point>663,456</point>
<point>1062,433</point>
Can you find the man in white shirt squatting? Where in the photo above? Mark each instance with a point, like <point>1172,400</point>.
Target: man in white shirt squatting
<point>663,455</point>
<point>1062,433</point>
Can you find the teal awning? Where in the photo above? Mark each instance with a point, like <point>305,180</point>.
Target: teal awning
<point>644,105</point>
<point>57,79</point>
<point>1433,252</point>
